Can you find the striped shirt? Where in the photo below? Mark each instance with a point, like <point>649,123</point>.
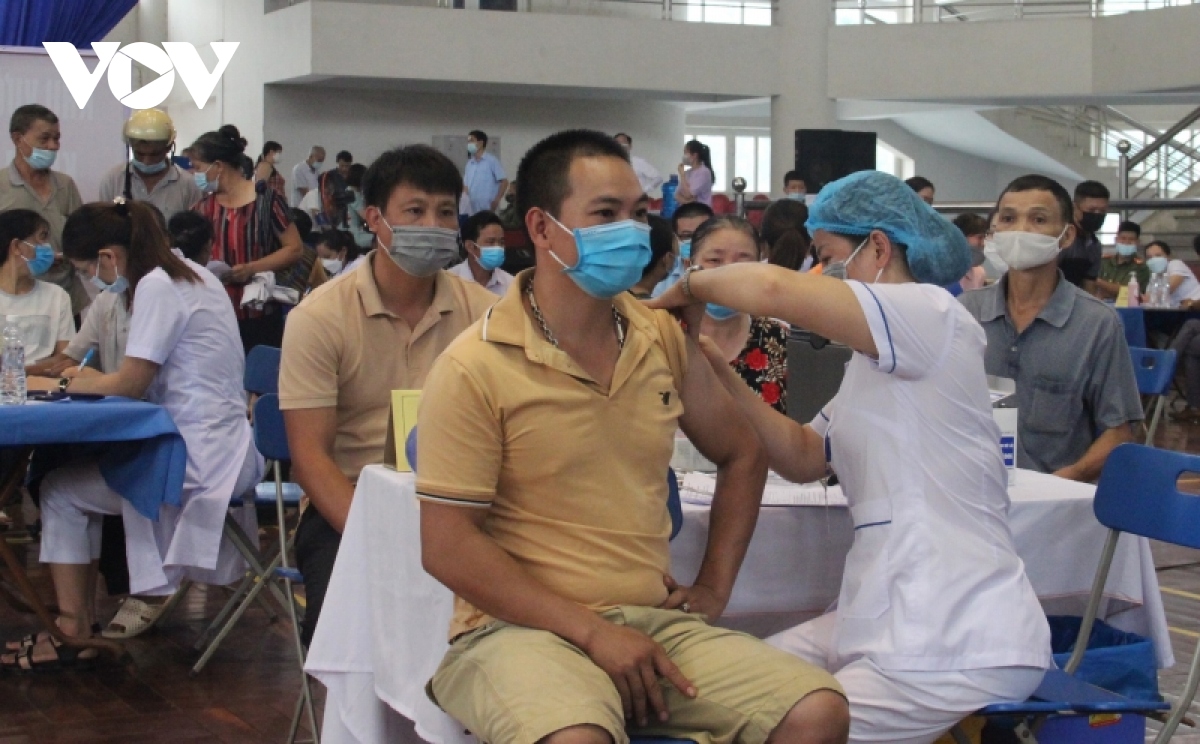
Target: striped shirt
<point>240,235</point>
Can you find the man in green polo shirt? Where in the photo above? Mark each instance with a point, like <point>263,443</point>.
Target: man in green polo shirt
<point>1116,269</point>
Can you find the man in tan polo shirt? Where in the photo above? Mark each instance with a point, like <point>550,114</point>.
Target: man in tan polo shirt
<point>545,433</point>
<point>366,333</point>
<point>29,183</point>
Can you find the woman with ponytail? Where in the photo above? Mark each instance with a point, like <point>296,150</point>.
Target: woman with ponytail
<point>787,240</point>
<point>252,232</point>
<point>183,354</point>
<point>696,176</point>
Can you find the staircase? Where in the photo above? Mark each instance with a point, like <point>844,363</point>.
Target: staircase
<point>1085,139</point>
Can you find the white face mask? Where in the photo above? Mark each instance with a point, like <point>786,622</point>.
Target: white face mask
<point>1025,250</point>
<point>331,265</point>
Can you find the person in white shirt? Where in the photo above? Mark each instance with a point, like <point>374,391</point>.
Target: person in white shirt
<point>304,175</point>
<point>43,310</point>
<point>183,353</point>
<point>647,175</point>
<point>1181,279</point>
<point>483,238</point>
<point>936,617</point>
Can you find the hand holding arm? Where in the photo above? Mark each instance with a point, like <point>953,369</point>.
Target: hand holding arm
<point>820,304</point>
<point>713,423</point>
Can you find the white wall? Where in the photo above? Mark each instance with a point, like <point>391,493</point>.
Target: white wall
<point>1102,60</point>
<point>368,122</point>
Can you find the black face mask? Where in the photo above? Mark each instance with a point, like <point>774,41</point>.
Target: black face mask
<point>1091,222</point>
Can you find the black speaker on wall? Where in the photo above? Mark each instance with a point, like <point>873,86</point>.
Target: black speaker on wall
<point>824,155</point>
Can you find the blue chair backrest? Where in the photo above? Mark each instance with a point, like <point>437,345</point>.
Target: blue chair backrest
<point>1134,319</point>
<point>262,370</point>
<point>1138,493</point>
<point>270,436</point>
<point>1154,369</point>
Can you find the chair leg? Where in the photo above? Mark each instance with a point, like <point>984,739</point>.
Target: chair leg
<point>306,691</point>
<point>229,606</point>
<point>233,619</point>
<point>250,553</point>
<point>1184,703</point>
<point>1158,409</point>
<point>174,601</point>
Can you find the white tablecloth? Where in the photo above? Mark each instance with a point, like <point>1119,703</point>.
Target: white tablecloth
<point>383,629</point>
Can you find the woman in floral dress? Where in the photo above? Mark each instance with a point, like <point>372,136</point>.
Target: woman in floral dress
<point>755,347</point>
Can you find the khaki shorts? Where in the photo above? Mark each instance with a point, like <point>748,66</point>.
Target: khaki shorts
<point>514,685</point>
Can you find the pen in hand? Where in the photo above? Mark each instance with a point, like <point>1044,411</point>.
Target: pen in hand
<point>87,358</point>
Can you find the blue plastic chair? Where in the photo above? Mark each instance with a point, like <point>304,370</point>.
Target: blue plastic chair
<point>1134,319</point>
<point>1138,493</point>
<point>270,437</point>
<point>262,370</point>
<point>1155,371</point>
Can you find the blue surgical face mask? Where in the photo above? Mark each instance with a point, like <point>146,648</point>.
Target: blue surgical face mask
<point>685,250</point>
<point>719,312</point>
<point>43,258</point>
<point>151,169</point>
<point>206,186</point>
<point>797,195</point>
<point>610,257</point>
<point>1157,264</point>
<point>120,284</point>
<point>490,256</point>
<point>41,159</point>
<point>472,148</point>
<point>1126,249</point>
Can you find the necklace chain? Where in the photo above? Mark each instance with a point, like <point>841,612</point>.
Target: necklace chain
<point>537,315</point>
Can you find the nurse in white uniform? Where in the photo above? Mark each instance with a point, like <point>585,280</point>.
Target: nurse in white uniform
<point>185,354</point>
<point>936,617</point>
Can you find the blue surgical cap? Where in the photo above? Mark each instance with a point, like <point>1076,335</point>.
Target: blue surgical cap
<point>870,200</point>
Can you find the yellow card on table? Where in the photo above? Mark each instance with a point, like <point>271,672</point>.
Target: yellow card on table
<point>401,420</point>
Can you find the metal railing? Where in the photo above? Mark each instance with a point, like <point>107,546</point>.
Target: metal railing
<point>736,12</point>
<point>1150,163</point>
<point>861,12</point>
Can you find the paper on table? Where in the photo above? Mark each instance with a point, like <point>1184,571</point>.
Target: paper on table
<point>698,488</point>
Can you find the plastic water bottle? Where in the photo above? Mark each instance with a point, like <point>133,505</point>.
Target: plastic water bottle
<point>668,196</point>
<point>12,366</point>
<point>1160,291</point>
<point>1135,298</point>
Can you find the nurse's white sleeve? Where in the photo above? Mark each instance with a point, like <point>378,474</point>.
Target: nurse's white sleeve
<point>912,325</point>
<point>158,320</point>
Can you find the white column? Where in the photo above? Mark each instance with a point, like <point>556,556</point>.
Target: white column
<point>803,101</point>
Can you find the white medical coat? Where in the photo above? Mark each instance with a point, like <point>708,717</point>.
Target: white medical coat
<point>932,581</point>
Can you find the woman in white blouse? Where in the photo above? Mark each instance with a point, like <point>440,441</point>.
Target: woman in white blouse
<point>1180,278</point>
<point>183,353</point>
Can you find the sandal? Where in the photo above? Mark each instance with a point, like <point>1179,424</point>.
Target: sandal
<point>34,639</point>
<point>65,657</point>
<point>134,618</point>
